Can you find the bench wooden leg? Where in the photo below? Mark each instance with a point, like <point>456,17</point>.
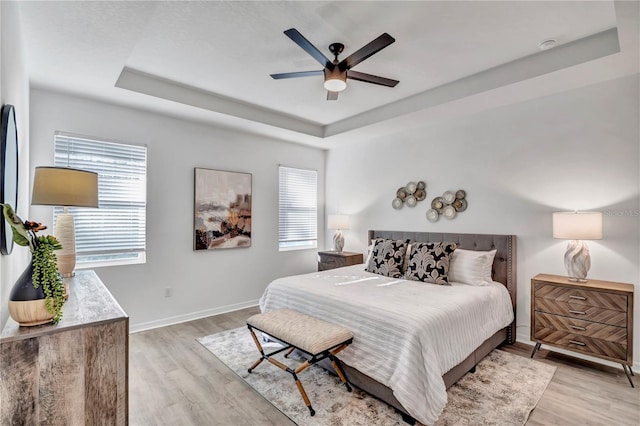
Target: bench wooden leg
<point>289,352</point>
<point>337,366</point>
<point>259,346</point>
<point>338,369</point>
<point>303,366</point>
<point>304,395</point>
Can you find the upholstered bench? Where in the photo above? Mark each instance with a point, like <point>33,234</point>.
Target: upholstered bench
<point>317,338</point>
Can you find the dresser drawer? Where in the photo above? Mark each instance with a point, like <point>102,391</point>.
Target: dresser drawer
<point>545,322</point>
<point>583,312</point>
<point>578,296</point>
<point>584,344</point>
<point>331,260</point>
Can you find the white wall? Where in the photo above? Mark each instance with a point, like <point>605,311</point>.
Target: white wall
<point>14,90</point>
<point>202,283</point>
<point>518,164</point>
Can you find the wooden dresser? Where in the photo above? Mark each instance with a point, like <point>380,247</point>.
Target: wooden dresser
<point>594,318</point>
<point>333,259</point>
<point>73,373</point>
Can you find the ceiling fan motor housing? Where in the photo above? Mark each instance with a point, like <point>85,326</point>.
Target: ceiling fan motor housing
<point>335,79</point>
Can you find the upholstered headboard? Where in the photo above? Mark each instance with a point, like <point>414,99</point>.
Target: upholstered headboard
<point>504,263</point>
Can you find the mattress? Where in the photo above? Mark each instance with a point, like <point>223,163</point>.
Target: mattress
<point>407,334</point>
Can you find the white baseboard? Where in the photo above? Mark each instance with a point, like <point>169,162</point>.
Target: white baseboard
<point>525,338</point>
<point>149,325</point>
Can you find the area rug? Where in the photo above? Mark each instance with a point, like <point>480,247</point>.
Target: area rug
<point>503,391</point>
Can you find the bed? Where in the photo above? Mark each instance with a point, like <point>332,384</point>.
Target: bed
<point>411,340</point>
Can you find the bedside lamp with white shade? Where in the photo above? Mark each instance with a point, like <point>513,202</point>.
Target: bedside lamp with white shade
<point>65,187</point>
<point>339,222</point>
<point>576,227</point>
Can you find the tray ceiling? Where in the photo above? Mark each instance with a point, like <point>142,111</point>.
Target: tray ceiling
<point>210,61</point>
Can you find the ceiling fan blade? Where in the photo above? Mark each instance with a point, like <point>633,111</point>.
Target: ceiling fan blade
<point>306,45</point>
<point>296,74</point>
<point>332,96</point>
<point>369,78</point>
<point>360,55</point>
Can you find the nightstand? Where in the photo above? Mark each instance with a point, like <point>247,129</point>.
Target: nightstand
<point>593,318</point>
<point>333,259</point>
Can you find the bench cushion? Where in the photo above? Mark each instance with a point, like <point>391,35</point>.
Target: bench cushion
<point>310,334</point>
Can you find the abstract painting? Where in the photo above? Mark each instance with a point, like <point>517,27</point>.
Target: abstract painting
<point>222,209</point>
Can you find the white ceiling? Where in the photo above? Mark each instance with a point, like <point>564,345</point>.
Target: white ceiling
<point>210,61</point>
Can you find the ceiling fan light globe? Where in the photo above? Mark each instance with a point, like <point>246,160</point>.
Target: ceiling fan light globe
<point>335,85</point>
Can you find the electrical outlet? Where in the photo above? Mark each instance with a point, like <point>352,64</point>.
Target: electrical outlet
<point>167,292</point>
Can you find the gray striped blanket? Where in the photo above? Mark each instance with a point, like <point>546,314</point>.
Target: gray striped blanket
<point>407,334</point>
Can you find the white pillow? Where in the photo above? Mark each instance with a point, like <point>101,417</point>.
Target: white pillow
<point>369,254</point>
<point>471,267</point>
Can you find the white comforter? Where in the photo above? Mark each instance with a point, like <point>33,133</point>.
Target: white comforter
<point>407,334</point>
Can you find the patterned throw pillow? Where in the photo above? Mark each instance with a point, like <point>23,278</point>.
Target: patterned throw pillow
<point>429,262</point>
<point>387,257</point>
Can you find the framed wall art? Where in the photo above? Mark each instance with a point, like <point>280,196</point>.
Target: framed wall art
<point>222,209</point>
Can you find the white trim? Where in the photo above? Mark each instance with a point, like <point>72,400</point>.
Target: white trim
<point>149,325</point>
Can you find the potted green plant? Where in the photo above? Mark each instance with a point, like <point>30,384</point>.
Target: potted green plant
<point>40,285</point>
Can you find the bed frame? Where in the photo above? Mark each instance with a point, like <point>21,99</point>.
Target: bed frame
<point>504,271</point>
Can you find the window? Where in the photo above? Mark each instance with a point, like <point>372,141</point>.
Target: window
<point>298,209</point>
<point>114,233</point>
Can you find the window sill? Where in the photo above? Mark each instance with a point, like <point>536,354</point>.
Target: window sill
<point>117,262</point>
<point>295,248</point>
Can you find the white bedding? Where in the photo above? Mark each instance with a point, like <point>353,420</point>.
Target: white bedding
<point>407,334</point>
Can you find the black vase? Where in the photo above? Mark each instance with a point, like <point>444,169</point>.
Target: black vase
<point>23,289</point>
<point>27,305</point>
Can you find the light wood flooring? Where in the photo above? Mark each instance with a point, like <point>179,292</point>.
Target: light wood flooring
<point>173,380</point>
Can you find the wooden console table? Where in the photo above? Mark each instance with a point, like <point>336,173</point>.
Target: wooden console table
<point>73,373</point>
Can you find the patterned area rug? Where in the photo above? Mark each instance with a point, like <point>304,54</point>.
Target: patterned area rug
<point>503,391</point>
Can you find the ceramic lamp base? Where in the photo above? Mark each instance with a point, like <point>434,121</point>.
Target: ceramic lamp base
<point>338,241</point>
<point>65,232</point>
<point>577,261</point>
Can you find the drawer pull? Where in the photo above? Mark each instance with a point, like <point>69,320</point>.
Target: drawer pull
<point>577,312</point>
<point>577,297</point>
<point>575,327</point>
<point>577,343</point>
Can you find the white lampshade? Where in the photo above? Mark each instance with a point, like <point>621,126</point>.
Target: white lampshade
<point>61,186</point>
<point>577,225</point>
<point>338,221</point>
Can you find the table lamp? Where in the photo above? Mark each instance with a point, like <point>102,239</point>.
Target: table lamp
<point>576,227</point>
<point>338,222</point>
<point>65,187</point>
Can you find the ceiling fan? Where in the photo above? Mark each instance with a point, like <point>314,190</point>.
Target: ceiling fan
<point>336,72</point>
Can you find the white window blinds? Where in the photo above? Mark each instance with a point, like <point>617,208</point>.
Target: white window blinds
<point>298,208</point>
<point>116,231</point>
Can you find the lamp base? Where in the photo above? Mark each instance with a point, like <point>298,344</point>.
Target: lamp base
<point>338,241</point>
<point>65,232</point>
<point>577,261</point>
